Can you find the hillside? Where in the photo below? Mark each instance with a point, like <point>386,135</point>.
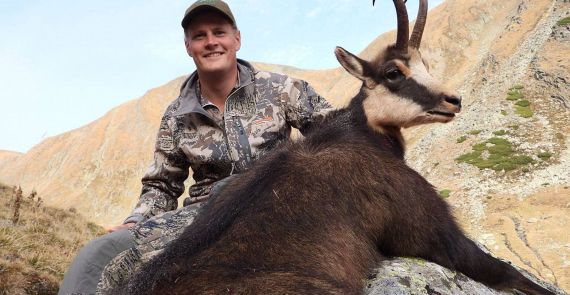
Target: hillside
<point>505,161</point>
<point>28,264</point>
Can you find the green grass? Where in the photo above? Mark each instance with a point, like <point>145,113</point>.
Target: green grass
<point>474,132</point>
<point>523,103</point>
<point>503,112</point>
<point>444,193</point>
<point>544,156</point>
<point>524,112</point>
<point>500,132</point>
<point>514,95</point>
<point>522,106</point>
<point>564,21</point>
<point>501,156</point>
<point>462,139</point>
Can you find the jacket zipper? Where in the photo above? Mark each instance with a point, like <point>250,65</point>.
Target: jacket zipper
<point>226,123</point>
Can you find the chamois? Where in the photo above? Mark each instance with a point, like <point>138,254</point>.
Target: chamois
<point>315,216</point>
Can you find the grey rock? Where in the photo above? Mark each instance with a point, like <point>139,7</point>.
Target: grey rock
<point>406,276</point>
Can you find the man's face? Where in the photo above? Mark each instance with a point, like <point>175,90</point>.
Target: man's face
<point>212,42</point>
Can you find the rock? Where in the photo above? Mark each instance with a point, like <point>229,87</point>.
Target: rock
<point>405,276</point>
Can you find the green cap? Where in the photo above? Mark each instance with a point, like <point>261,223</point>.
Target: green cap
<point>218,5</point>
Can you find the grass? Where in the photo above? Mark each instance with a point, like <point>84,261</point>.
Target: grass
<point>544,156</point>
<point>524,112</point>
<point>36,251</point>
<point>444,193</point>
<point>522,106</point>
<point>564,21</point>
<point>462,139</point>
<point>523,103</point>
<point>474,132</point>
<point>497,154</point>
<point>500,132</point>
<point>514,95</point>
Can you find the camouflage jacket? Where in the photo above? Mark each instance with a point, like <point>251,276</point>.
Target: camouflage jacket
<point>259,113</point>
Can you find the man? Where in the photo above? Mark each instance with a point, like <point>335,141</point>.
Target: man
<point>227,116</point>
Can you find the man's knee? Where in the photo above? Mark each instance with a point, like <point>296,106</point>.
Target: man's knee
<point>85,270</point>
<point>106,246</point>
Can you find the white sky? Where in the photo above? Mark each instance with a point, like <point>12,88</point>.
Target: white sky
<point>65,63</point>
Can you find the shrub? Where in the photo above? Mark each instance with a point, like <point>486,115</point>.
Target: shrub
<point>462,139</point>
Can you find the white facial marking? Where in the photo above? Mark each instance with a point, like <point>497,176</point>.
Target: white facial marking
<point>421,75</point>
<point>383,108</point>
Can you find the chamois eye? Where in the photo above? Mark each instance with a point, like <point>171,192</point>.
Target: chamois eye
<point>394,74</point>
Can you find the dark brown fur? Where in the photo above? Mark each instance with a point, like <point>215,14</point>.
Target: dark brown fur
<point>315,217</point>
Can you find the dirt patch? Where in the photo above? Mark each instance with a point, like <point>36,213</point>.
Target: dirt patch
<point>532,232</point>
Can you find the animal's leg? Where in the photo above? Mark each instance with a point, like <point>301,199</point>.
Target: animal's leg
<point>437,238</point>
<point>469,259</point>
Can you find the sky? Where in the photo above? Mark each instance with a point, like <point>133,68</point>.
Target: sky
<point>65,63</point>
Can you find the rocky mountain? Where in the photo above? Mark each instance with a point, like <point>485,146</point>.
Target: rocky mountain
<point>503,164</point>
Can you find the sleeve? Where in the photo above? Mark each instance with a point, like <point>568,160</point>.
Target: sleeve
<point>304,107</point>
<point>163,182</point>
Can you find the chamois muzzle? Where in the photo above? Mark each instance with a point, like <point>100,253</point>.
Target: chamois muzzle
<point>454,100</point>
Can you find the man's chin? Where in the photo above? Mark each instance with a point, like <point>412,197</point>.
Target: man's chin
<point>215,67</point>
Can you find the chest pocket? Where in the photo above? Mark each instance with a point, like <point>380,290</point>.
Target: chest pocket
<point>266,127</point>
<point>204,145</point>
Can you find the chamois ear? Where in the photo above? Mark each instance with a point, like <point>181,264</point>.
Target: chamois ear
<point>356,66</point>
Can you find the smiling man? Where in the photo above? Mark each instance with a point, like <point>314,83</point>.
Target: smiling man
<point>212,40</point>
<point>227,116</point>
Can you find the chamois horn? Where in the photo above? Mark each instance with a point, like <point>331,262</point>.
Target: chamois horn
<point>416,37</point>
<point>403,30</point>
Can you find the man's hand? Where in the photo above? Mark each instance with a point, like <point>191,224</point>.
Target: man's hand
<point>122,226</point>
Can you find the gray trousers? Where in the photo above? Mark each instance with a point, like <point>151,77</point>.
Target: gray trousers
<point>106,261</point>
<point>83,274</point>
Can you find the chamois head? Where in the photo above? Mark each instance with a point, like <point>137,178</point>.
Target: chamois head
<point>398,89</point>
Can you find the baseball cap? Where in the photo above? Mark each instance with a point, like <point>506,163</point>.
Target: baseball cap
<point>218,5</point>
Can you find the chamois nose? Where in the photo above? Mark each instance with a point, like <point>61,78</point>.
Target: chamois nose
<point>454,100</point>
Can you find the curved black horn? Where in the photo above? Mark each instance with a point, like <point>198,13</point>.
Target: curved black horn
<point>403,25</point>
<point>416,38</point>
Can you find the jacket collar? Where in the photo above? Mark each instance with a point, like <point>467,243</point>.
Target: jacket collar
<point>190,98</point>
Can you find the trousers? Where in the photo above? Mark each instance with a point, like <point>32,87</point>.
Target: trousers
<point>83,274</point>
<point>113,258</point>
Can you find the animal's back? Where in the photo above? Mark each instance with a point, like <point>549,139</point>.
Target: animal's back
<point>314,234</point>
